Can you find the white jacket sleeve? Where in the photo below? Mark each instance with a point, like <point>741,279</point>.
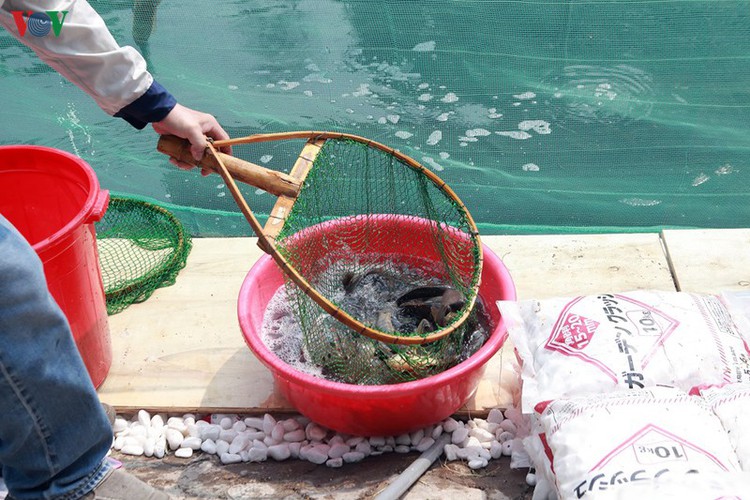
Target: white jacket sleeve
<point>85,52</point>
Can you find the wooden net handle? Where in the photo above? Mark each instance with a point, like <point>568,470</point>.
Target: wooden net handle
<point>272,181</point>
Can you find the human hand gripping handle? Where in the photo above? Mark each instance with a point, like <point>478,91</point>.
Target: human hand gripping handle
<point>195,127</point>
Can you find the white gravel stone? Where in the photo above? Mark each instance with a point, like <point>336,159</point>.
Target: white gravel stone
<point>208,446</point>
<point>278,432</point>
<point>477,463</point>
<point>364,447</point>
<point>138,430</point>
<point>473,442</point>
<point>177,423</point>
<point>531,479</point>
<point>238,444</point>
<point>415,437</point>
<point>254,423</point>
<point>157,421</point>
<point>451,452</point>
<point>253,435</point>
<point>210,431</point>
<point>450,424</point>
<point>132,449</point>
<point>295,436</point>
<point>227,435</point>
<point>230,458</point>
<point>495,416</point>
<point>504,436</point>
<point>174,438</point>
<point>460,435</point>
<point>239,426</point>
<point>294,449</point>
<point>353,456</point>
<point>194,443</point>
<point>377,441</point>
<point>509,426</point>
<point>402,448</point>
<point>160,449</point>
<point>507,448</point>
<point>290,424</point>
<point>221,447</point>
<point>482,435</point>
<point>314,432</point>
<point>268,423</point>
<point>338,450</point>
<point>193,431</point>
<point>226,423</point>
<point>279,452</point>
<point>336,439</point>
<point>144,418</point>
<point>496,450</point>
<point>317,454</point>
<point>149,446</point>
<point>437,431</point>
<point>184,452</point>
<point>352,442</point>
<point>257,454</point>
<point>334,462</point>
<point>119,425</point>
<point>424,443</point>
<point>119,443</point>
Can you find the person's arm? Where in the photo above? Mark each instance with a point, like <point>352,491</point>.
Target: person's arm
<point>86,54</point>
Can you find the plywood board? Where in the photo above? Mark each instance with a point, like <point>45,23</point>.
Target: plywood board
<point>710,261</point>
<point>182,350</point>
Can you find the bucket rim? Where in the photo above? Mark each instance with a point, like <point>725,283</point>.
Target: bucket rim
<point>93,206</point>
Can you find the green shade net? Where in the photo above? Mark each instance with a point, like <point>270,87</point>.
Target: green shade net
<point>544,116</point>
<point>142,247</point>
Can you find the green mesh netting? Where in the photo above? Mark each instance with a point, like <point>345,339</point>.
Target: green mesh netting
<point>544,116</point>
<point>142,247</point>
<point>367,230</point>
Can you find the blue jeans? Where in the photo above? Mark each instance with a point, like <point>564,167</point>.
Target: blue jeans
<point>54,434</point>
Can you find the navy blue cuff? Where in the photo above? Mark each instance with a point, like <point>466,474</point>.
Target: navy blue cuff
<point>153,106</point>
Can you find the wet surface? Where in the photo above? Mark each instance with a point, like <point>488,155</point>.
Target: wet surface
<point>204,476</point>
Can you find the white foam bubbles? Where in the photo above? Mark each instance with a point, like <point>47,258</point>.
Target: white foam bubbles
<point>450,97</point>
<point>538,126</point>
<point>435,137</point>
<point>515,134</point>
<point>640,202</point>
<point>432,164</point>
<point>424,46</point>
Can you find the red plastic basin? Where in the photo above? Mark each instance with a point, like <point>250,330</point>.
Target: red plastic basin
<point>373,410</point>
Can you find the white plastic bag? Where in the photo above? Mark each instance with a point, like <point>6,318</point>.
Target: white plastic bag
<point>599,343</point>
<point>593,445</point>
<point>731,404</point>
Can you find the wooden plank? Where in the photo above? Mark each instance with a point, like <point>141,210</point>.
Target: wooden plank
<point>284,204</point>
<point>709,260</point>
<point>182,350</point>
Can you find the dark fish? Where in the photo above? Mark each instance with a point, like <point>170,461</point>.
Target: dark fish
<point>436,303</point>
<point>380,278</point>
